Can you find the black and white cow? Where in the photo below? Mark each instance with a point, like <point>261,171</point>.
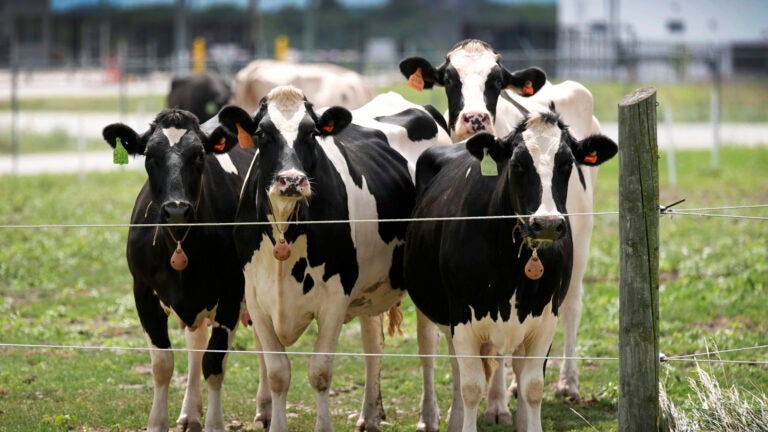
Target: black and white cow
<point>478,86</point>
<point>202,94</point>
<point>190,272</point>
<point>313,173</point>
<point>497,284</point>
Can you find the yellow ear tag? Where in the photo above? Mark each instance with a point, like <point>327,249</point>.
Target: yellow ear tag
<point>488,165</point>
<point>416,81</point>
<point>244,138</point>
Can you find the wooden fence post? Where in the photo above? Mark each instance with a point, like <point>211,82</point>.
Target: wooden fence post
<point>639,408</point>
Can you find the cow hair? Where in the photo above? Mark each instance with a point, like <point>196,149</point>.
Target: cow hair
<point>472,47</point>
<point>177,118</point>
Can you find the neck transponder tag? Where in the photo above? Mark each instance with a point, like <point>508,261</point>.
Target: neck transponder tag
<point>488,165</point>
<point>120,155</point>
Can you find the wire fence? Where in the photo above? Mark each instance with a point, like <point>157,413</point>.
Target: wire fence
<point>701,357</point>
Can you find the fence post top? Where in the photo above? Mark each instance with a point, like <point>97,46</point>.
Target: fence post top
<point>637,96</point>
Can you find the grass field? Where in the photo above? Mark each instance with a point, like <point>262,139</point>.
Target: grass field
<point>69,286</point>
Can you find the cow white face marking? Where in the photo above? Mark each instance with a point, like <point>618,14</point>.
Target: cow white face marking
<point>174,135</point>
<point>473,63</point>
<point>543,141</point>
<point>286,109</point>
<point>226,163</point>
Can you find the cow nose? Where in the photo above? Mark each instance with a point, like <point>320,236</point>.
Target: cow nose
<point>476,121</point>
<point>177,211</point>
<point>292,185</point>
<point>547,227</point>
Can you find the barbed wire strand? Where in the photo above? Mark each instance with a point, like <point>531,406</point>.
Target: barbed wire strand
<point>681,212</point>
<point>681,358</point>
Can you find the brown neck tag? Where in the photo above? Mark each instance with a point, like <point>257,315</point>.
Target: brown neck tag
<point>282,250</point>
<point>179,259</point>
<point>534,270</point>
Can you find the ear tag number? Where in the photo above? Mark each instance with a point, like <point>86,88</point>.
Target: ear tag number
<point>488,165</point>
<point>120,155</point>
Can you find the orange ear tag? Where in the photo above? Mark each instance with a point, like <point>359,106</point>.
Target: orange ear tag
<point>416,81</point>
<point>534,270</point>
<point>528,88</point>
<point>220,146</point>
<point>244,138</point>
<point>328,128</point>
<point>590,158</point>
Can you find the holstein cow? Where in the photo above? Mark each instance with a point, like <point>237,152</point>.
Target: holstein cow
<point>313,173</point>
<point>188,272</point>
<point>202,94</point>
<point>485,96</point>
<point>496,284</point>
<point>324,84</point>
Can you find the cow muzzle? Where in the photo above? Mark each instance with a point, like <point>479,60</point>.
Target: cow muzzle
<point>292,184</point>
<point>472,122</point>
<point>547,228</point>
<point>177,211</point>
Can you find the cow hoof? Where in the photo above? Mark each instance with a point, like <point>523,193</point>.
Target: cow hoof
<point>362,426</point>
<point>261,422</point>
<point>567,393</point>
<point>501,418</point>
<point>189,426</point>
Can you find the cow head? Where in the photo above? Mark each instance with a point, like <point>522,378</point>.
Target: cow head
<point>534,164</point>
<point>473,77</point>
<point>174,148</point>
<point>285,130</point>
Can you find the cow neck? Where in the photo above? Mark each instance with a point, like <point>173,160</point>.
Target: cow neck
<point>178,251</point>
<point>523,110</point>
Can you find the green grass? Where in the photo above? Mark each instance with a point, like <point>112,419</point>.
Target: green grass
<point>70,286</point>
<point>148,103</point>
<point>56,141</point>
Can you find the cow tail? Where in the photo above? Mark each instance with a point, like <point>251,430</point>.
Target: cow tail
<point>489,364</point>
<point>394,320</point>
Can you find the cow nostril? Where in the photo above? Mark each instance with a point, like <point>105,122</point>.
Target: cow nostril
<point>536,227</point>
<point>484,118</point>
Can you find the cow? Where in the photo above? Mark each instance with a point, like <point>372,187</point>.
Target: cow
<point>302,256</point>
<point>189,272</point>
<point>203,94</point>
<point>325,84</point>
<point>494,274</point>
<point>484,96</point>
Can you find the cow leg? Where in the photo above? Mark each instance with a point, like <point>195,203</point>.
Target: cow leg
<point>192,407</point>
<point>472,379</point>
<point>321,365</point>
<point>373,343</point>
<point>530,377</point>
<point>497,410</point>
<point>214,370</point>
<point>456,412</point>
<point>428,337</point>
<point>278,371</point>
<point>263,396</point>
<point>154,321</point>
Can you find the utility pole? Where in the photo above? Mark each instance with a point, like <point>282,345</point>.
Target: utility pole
<point>180,50</point>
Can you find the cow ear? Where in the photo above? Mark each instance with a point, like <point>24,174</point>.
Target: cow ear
<point>594,150</point>
<point>484,143</point>
<point>334,120</point>
<point>420,73</point>
<point>130,140</point>
<point>235,126</point>
<point>525,82</point>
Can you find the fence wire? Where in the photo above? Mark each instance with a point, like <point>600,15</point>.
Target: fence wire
<point>664,211</point>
